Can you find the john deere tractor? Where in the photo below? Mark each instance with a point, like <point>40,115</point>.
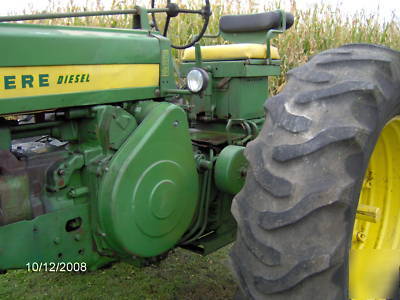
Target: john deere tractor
<point>105,158</point>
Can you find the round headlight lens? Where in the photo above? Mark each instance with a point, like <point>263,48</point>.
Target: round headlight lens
<point>197,80</point>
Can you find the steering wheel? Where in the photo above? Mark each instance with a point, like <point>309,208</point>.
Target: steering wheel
<point>174,10</point>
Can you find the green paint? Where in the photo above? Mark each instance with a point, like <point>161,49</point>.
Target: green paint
<point>65,45</point>
<point>138,175</point>
<point>5,138</point>
<point>239,88</point>
<point>148,197</point>
<point>230,169</point>
<point>74,99</point>
<point>165,56</point>
<point>34,240</point>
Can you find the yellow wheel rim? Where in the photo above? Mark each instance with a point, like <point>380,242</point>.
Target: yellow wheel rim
<point>375,255</point>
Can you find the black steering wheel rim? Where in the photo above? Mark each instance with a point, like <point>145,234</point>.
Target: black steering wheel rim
<point>206,13</point>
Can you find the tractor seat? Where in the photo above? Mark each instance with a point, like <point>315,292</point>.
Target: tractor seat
<point>231,52</point>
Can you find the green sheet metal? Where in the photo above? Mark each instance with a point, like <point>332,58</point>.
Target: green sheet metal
<point>148,196</point>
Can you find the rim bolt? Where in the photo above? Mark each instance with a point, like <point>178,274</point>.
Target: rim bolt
<point>361,237</point>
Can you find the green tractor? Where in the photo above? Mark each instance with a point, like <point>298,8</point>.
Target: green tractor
<point>105,158</point>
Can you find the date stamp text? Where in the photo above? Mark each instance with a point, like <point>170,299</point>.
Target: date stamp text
<point>56,267</point>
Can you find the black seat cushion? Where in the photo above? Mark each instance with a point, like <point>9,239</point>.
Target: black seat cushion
<point>254,22</point>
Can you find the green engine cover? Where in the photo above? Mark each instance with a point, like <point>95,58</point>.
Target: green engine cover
<point>148,196</point>
<point>74,66</point>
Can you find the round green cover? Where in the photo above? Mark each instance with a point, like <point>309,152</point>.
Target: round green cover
<point>148,197</point>
<point>230,169</point>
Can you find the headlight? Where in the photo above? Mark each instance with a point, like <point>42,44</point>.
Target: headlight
<point>197,80</point>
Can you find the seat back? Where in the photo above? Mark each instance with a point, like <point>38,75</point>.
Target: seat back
<point>254,22</point>
<point>252,28</point>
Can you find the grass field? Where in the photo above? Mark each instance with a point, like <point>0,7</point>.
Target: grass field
<point>184,275</point>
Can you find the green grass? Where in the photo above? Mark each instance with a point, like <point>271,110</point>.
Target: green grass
<point>183,275</point>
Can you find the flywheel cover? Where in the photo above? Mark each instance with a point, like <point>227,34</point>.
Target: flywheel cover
<point>148,197</point>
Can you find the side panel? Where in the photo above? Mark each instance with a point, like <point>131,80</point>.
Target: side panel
<point>47,67</point>
<point>40,45</point>
<point>47,80</point>
<point>45,239</point>
<point>149,194</point>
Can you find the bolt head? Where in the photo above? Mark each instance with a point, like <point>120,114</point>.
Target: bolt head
<point>361,236</point>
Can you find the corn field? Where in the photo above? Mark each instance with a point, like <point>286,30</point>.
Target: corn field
<point>317,28</point>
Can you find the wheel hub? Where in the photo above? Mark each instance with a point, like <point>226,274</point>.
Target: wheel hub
<point>375,251</point>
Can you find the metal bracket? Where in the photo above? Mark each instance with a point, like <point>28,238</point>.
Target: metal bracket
<point>60,176</point>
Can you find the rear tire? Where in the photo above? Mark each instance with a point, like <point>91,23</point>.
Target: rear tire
<point>296,211</point>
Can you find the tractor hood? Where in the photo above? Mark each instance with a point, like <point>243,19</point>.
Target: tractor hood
<point>47,67</point>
